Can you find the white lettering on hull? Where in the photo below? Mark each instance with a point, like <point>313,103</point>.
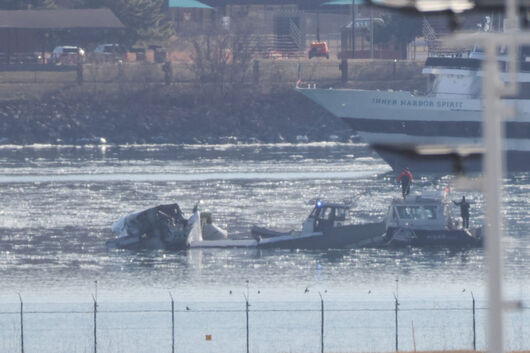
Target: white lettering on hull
<point>419,103</point>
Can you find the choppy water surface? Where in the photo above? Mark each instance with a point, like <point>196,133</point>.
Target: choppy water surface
<point>58,204</point>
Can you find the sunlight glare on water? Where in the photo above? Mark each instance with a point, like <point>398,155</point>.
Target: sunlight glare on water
<point>59,203</point>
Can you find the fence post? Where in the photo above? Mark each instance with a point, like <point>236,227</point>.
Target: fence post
<point>21,323</point>
<point>413,336</point>
<point>172,323</point>
<point>321,324</point>
<point>79,71</point>
<point>299,74</point>
<point>396,310</point>
<point>474,324</point>
<point>95,324</point>
<point>246,311</point>
<point>343,67</point>
<point>255,72</point>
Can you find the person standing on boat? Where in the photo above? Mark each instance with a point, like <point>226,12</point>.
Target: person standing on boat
<point>405,178</point>
<point>464,211</point>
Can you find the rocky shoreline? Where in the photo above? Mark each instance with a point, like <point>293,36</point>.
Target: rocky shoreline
<point>162,115</point>
<point>138,107</point>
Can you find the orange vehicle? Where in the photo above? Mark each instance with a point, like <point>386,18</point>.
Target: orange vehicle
<point>319,49</point>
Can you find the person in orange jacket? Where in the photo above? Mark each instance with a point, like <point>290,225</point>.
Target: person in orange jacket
<point>405,178</point>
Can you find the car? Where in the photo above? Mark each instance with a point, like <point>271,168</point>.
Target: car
<point>110,52</point>
<point>67,55</point>
<point>319,49</point>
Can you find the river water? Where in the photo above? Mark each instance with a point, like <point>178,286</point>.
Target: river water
<point>58,204</point>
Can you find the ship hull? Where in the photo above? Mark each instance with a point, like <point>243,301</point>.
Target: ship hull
<point>399,118</point>
<point>516,161</point>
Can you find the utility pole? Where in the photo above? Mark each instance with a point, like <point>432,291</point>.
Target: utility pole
<point>371,32</point>
<point>352,29</point>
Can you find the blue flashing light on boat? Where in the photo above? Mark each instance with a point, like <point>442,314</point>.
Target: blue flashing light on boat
<point>319,203</point>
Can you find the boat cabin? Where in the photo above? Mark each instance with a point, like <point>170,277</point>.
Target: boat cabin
<point>423,211</point>
<point>326,216</point>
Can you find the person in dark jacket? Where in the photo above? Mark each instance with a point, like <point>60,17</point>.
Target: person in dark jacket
<point>464,211</point>
<point>405,178</point>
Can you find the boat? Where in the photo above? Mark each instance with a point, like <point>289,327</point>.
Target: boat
<point>449,114</point>
<point>426,220</point>
<point>328,226</point>
<point>164,227</point>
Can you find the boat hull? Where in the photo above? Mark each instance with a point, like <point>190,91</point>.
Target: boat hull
<point>350,236</point>
<point>455,238</point>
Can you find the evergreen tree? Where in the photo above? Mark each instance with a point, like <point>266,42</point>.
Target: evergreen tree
<point>146,20</point>
<point>399,30</point>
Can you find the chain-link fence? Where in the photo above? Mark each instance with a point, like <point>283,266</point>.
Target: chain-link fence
<point>254,326</point>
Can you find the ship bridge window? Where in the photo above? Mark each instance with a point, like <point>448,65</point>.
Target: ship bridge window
<point>417,212</point>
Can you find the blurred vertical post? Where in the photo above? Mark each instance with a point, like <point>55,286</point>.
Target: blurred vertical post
<point>21,323</point>
<point>95,325</point>
<point>352,29</point>
<point>343,67</point>
<point>413,336</point>
<point>255,72</point>
<point>494,88</point>
<point>79,72</point>
<point>396,321</point>
<point>474,324</point>
<point>246,311</point>
<point>321,324</point>
<point>172,323</point>
<point>493,166</point>
<point>371,32</point>
<point>318,25</point>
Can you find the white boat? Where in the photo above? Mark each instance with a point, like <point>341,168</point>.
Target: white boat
<point>450,114</point>
<point>427,220</point>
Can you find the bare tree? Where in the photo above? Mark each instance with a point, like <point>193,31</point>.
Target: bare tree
<point>221,58</point>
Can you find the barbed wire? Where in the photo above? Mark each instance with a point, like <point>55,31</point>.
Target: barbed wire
<point>164,311</point>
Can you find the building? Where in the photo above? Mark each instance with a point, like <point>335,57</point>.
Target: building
<point>25,34</point>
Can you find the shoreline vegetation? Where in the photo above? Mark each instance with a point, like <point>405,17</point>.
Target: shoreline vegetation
<point>136,103</point>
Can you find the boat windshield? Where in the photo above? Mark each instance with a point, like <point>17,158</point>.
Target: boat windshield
<point>417,212</point>
<point>340,214</point>
<point>328,213</point>
<point>315,212</point>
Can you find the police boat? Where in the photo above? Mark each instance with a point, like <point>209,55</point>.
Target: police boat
<point>328,226</point>
<point>427,220</point>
